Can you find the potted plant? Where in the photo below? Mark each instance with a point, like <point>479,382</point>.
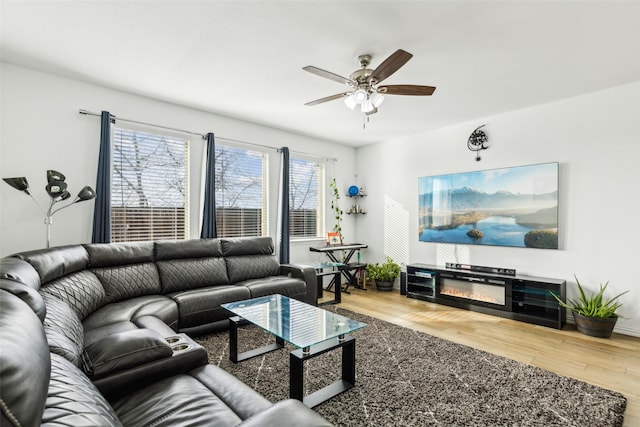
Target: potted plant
<point>337,212</point>
<point>384,274</point>
<point>594,314</point>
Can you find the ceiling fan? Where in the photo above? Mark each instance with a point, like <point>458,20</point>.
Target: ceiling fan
<point>363,83</point>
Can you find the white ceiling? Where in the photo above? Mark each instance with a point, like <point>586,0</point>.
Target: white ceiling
<point>244,59</point>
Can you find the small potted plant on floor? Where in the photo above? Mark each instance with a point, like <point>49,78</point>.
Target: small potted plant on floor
<point>594,314</point>
<point>384,274</point>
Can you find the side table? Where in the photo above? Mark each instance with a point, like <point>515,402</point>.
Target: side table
<point>330,269</point>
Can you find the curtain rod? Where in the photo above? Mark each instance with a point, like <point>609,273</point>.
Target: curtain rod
<point>203,136</point>
<point>89,113</point>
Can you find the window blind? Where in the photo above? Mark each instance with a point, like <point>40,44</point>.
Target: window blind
<point>306,180</point>
<point>150,186</point>
<point>241,192</point>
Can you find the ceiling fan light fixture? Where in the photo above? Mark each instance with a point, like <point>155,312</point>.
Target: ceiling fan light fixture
<point>350,102</point>
<point>367,107</point>
<point>376,99</point>
<point>360,96</point>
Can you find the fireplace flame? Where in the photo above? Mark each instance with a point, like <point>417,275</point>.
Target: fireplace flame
<point>458,293</point>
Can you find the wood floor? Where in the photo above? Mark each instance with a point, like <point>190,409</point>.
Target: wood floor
<point>612,363</point>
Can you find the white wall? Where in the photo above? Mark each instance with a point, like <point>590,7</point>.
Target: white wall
<point>594,138</point>
<point>41,129</point>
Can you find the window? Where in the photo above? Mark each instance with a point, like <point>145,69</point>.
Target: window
<point>306,180</point>
<point>241,192</point>
<point>149,187</point>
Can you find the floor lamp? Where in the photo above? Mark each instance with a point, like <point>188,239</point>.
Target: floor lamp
<point>57,190</point>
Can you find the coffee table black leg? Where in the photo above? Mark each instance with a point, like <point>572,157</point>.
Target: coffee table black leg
<point>296,377</point>
<point>296,374</point>
<point>349,362</point>
<point>233,338</point>
<point>236,357</point>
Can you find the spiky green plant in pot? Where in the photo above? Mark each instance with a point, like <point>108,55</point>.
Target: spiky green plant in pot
<point>594,314</point>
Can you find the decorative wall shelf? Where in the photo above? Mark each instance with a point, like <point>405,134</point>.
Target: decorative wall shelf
<point>356,209</point>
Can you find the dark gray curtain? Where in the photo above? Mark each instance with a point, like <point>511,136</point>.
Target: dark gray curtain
<point>209,208</point>
<point>102,210</point>
<point>285,250</point>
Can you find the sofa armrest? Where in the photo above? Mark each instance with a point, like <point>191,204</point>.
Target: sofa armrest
<point>122,351</point>
<point>286,413</point>
<point>306,273</point>
<point>186,355</point>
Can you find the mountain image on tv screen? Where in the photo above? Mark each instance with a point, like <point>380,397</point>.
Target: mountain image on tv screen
<point>514,206</point>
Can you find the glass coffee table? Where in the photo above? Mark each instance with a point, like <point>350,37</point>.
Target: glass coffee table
<point>313,330</point>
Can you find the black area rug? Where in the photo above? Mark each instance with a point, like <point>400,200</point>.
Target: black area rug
<point>408,378</point>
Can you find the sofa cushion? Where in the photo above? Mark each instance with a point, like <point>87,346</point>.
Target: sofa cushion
<point>63,328</point>
<point>154,323</point>
<point>284,285</point>
<point>192,248</point>
<point>73,400</point>
<point>201,306</point>
<point>247,246</point>
<point>206,396</point>
<point>109,255</point>
<point>124,315</point>
<point>19,270</point>
<point>27,294</point>
<point>183,274</point>
<point>24,358</point>
<point>82,291</point>
<point>129,281</point>
<point>294,411</point>
<point>247,267</point>
<point>53,263</point>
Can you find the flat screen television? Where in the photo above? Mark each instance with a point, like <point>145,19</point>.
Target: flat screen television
<point>514,206</point>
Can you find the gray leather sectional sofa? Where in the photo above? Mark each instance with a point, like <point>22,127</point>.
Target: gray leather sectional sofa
<point>100,334</point>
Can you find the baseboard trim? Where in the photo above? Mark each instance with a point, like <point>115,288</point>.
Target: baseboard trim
<point>627,331</point>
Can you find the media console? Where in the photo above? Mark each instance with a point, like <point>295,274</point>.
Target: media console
<point>518,297</point>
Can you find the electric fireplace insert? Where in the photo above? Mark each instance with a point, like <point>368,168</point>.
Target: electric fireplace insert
<point>467,289</point>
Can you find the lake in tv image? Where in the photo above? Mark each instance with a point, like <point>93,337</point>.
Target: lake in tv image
<point>515,206</point>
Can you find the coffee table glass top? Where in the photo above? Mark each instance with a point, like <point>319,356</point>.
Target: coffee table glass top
<point>296,322</point>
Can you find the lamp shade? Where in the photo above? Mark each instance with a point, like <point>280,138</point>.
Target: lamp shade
<point>360,96</point>
<point>87,193</point>
<point>56,188</point>
<point>376,99</point>
<point>53,176</point>
<point>19,183</point>
<point>63,196</point>
<point>350,102</point>
<point>367,107</point>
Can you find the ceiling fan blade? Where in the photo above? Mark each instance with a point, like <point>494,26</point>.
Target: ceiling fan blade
<point>328,98</point>
<point>389,66</point>
<point>406,90</point>
<point>327,74</point>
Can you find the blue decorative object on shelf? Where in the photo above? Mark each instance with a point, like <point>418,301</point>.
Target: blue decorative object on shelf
<point>354,190</point>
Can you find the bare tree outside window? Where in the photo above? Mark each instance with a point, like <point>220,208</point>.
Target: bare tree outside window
<point>241,182</point>
<point>149,196</point>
